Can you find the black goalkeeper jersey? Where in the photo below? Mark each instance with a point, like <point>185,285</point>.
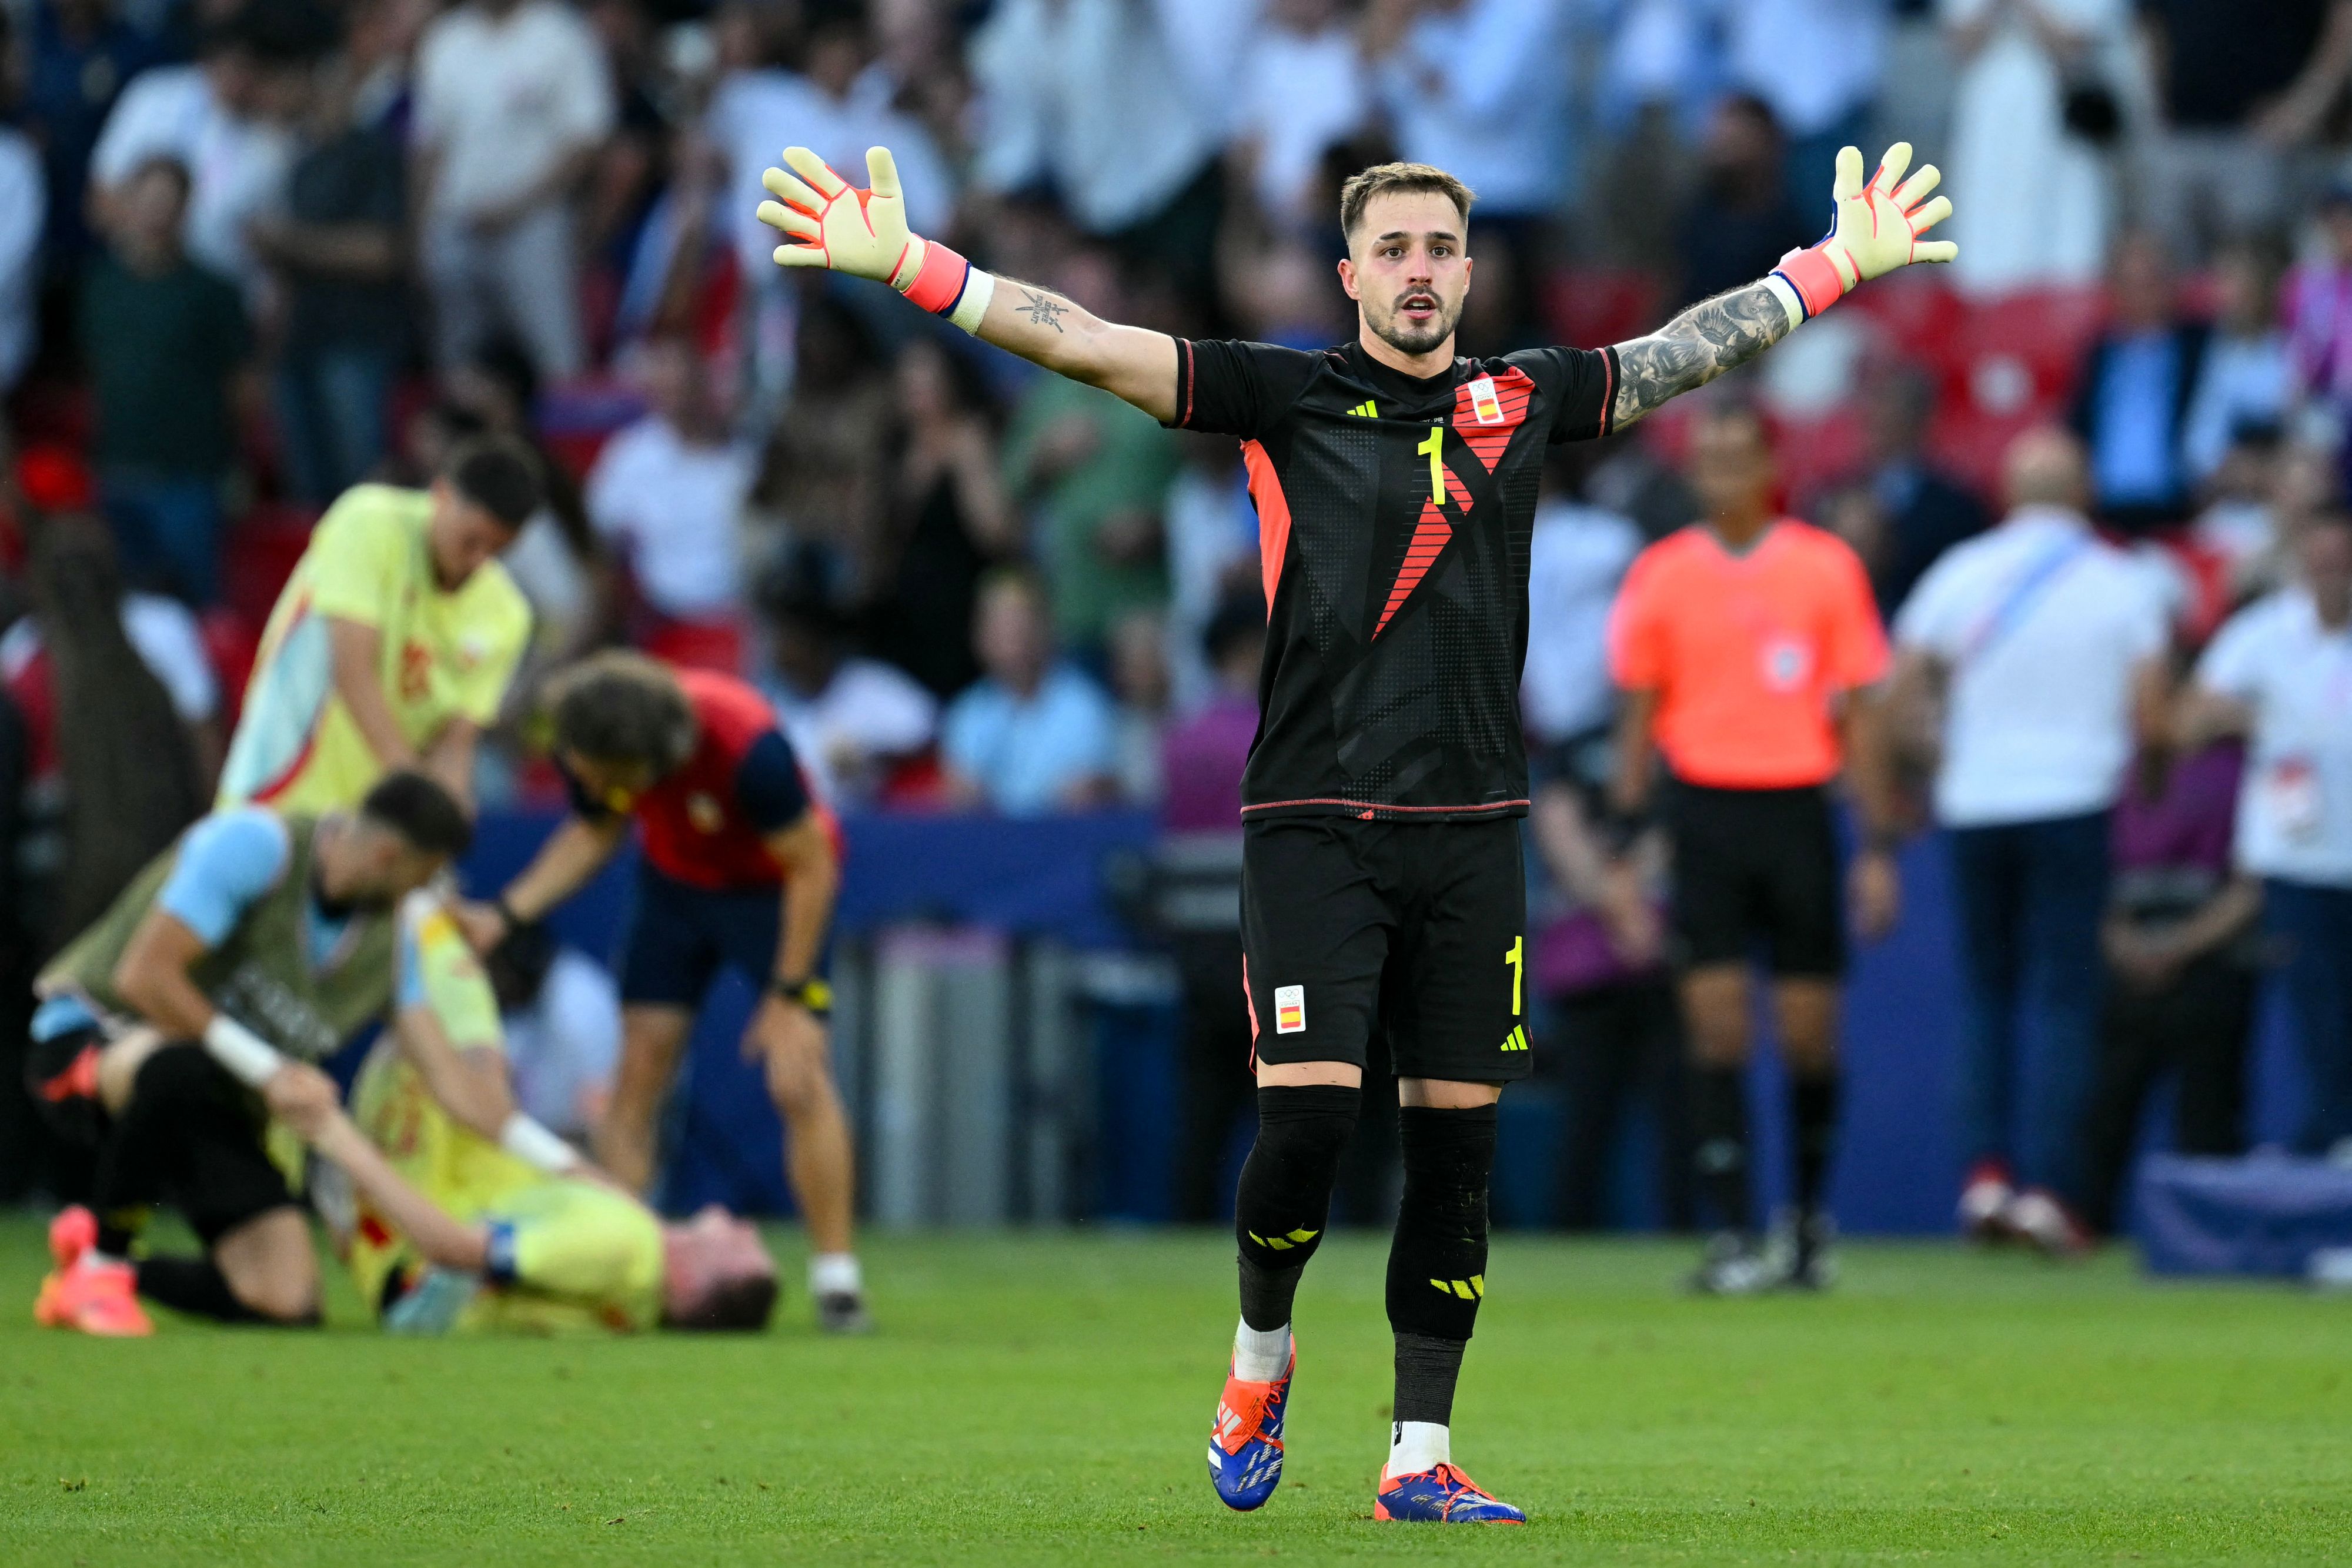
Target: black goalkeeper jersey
<point>1393,521</point>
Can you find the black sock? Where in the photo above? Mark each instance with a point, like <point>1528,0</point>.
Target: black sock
<point>1437,1263</point>
<point>1285,1198</point>
<point>193,1285</point>
<point>1814,1117</point>
<point>1427,1368</point>
<point>1719,1134</point>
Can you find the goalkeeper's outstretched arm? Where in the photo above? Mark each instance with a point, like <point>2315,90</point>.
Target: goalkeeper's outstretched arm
<point>1877,229</point>
<point>826,221</point>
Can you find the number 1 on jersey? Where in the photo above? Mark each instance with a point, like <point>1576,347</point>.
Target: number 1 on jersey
<point>1516,955</point>
<point>1432,446</point>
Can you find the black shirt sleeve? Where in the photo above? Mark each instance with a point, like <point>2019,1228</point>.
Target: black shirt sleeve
<point>768,784</point>
<point>1577,386</point>
<point>1230,388</point>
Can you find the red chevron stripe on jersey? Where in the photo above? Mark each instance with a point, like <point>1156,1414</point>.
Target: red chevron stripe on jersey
<point>1487,426</point>
<point>1429,537</point>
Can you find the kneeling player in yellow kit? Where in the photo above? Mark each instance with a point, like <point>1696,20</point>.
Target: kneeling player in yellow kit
<point>449,1231</point>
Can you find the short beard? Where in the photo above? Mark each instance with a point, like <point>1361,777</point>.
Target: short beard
<point>1406,341</point>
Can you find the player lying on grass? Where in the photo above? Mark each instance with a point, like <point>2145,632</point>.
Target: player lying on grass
<point>1395,485</point>
<point>449,1231</point>
<point>164,1032</point>
<point>740,868</point>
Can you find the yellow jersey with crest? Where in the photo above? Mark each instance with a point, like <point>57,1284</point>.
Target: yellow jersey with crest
<point>446,654</point>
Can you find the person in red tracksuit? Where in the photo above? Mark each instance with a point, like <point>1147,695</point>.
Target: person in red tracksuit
<point>739,867</point>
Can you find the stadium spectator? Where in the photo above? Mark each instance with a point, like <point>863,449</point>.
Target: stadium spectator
<point>2240,524</point>
<point>224,119</point>
<point>666,494</point>
<point>1034,734</point>
<point>821,481</point>
<point>1577,556</point>
<point>839,104</point>
<point>339,251</point>
<point>2180,976</point>
<point>24,208</point>
<point>1093,99</point>
<point>2043,649</point>
<point>1212,556</point>
<point>2027,116</point>
<point>2279,673</point>
<point>1200,813</point>
<point>1478,88</point>
<point>1095,474</point>
<point>1912,511</point>
<point>853,721</point>
<point>1739,220</point>
<point>947,517</point>
<point>1616,1041</point>
<point>512,100</point>
<point>167,342</point>
<point>2132,402</point>
<point>1139,685</point>
<point>2319,314</point>
<point>2245,381</point>
<point>1817,63</point>
<point>2237,85</point>
<point>1747,647</point>
<point>78,54</point>
<point>1302,90</point>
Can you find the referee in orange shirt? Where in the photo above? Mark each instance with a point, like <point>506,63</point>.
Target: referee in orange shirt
<point>1746,646</point>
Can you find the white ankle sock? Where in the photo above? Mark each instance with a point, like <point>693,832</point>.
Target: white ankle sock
<point>1418,1446</point>
<point>836,1274</point>
<point>91,1257</point>
<point>1261,1356</point>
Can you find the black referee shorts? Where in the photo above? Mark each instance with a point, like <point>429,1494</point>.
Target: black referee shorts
<point>1415,928</point>
<point>1757,867</point>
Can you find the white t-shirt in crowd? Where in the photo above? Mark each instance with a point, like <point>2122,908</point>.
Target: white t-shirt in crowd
<point>673,508</point>
<point>2294,813</point>
<point>1575,562</point>
<point>1814,61</point>
<point>1299,93</point>
<point>564,1046</point>
<point>755,115</point>
<point>2041,625</point>
<point>868,711</point>
<point>236,167</point>
<point>1482,93</point>
<point>505,100</point>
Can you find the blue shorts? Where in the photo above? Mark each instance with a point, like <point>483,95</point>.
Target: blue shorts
<point>680,936</point>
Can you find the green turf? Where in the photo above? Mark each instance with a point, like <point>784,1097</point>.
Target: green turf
<point>1046,1399</point>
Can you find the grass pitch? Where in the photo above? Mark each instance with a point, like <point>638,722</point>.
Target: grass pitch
<point>1046,1399</point>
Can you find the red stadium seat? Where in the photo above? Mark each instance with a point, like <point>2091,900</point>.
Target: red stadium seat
<point>259,556</point>
<point>1591,307</point>
<point>231,642</point>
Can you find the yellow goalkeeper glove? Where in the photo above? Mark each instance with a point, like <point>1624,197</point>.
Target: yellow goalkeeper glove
<point>827,221</point>
<point>1876,229</point>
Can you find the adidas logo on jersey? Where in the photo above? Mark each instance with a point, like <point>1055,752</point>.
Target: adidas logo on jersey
<point>1365,410</point>
<point>1516,1039</point>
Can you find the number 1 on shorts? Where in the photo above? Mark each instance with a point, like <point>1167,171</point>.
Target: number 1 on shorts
<point>1516,955</point>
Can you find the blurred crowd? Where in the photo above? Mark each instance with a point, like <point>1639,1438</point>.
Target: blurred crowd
<point>253,252</point>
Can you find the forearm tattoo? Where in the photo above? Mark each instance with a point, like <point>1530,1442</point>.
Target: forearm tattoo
<point>1703,342</point>
<point>1042,310</point>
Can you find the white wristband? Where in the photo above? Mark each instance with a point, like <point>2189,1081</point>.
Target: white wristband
<point>979,288</point>
<point>528,1140</point>
<point>250,1058</point>
<point>1786,292</point>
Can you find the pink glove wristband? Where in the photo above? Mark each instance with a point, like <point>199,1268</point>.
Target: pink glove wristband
<point>939,284</point>
<point>1816,278</point>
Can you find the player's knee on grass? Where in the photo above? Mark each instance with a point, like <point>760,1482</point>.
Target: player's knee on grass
<point>1437,1263</point>
<point>269,1267</point>
<point>1285,1198</point>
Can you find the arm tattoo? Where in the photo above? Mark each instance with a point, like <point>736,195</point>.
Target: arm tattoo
<point>1041,308</point>
<point>1703,342</point>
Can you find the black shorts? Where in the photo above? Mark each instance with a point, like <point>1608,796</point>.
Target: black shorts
<point>1757,867</point>
<point>212,1155</point>
<point>1414,929</point>
<point>680,936</point>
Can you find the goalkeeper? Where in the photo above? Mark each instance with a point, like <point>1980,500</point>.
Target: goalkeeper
<point>1395,485</point>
